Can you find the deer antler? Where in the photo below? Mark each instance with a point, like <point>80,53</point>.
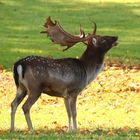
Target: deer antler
<point>95,28</point>
<point>82,33</point>
<point>59,36</point>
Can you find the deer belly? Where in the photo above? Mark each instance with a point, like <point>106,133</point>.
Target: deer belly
<point>54,91</point>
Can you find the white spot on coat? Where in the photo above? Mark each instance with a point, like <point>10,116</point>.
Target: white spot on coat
<point>19,70</point>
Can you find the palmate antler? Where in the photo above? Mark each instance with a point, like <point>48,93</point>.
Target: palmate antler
<point>59,36</point>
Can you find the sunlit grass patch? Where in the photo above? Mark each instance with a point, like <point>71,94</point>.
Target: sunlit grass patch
<point>108,107</point>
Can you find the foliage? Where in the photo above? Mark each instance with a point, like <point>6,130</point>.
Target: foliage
<point>21,23</point>
<point>108,108</point>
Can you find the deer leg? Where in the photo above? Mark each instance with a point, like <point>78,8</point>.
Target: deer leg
<point>27,106</point>
<point>73,111</point>
<point>67,105</point>
<point>19,97</point>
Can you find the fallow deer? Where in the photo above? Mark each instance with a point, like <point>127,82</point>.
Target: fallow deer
<point>65,77</point>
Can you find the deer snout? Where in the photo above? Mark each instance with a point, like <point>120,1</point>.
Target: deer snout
<point>115,41</point>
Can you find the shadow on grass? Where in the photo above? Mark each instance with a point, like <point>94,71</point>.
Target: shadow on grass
<point>121,133</point>
<point>22,21</point>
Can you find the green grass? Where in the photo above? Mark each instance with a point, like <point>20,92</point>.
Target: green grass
<point>52,135</point>
<point>21,23</point>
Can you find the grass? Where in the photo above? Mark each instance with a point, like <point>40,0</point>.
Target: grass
<point>66,136</point>
<point>105,110</point>
<point>21,23</point>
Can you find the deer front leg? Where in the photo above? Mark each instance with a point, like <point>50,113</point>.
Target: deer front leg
<point>19,97</point>
<point>73,111</point>
<point>27,106</point>
<point>68,109</point>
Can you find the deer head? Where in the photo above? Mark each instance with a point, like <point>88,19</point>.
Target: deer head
<point>102,43</point>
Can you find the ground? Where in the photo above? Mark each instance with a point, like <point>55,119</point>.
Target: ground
<point>108,106</point>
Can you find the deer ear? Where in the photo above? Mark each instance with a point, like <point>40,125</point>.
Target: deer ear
<point>94,41</point>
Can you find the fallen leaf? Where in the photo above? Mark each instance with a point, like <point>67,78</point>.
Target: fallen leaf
<point>111,133</point>
<point>2,131</point>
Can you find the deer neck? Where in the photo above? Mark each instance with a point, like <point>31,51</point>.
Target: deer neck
<point>93,63</point>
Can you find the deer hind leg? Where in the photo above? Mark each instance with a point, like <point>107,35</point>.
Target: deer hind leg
<point>73,111</point>
<point>32,98</point>
<point>68,109</point>
<point>18,99</point>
